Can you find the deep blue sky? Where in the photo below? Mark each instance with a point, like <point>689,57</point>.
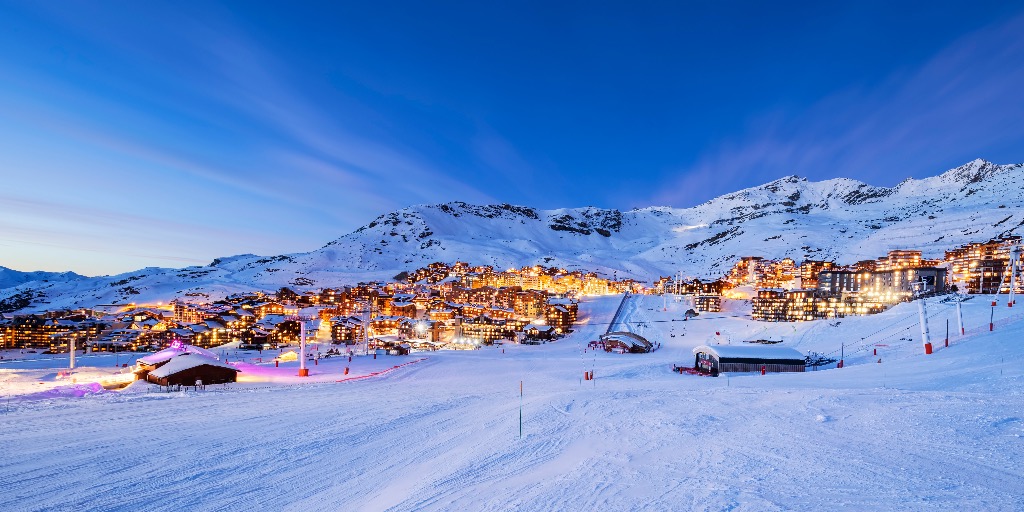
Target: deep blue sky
<point>166,134</point>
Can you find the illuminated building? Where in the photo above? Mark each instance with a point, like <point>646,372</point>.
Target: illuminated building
<point>712,303</point>
<point>982,267</point>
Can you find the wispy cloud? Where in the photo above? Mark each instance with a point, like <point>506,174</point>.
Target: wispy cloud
<point>254,82</point>
<point>962,102</point>
<point>214,130</point>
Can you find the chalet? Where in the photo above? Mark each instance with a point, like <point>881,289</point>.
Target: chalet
<point>308,298</point>
<point>396,348</point>
<point>346,329</point>
<point>148,324</point>
<point>386,324</point>
<point>231,321</point>
<point>529,304</point>
<point>515,324</point>
<point>262,309</point>
<point>747,358</point>
<point>558,317</point>
<point>505,297</point>
<point>571,305</point>
<point>210,333</point>
<point>286,295</point>
<point>426,301</point>
<point>401,308</point>
<point>425,345</point>
<point>502,313</point>
<point>539,332</point>
<point>182,334</point>
<point>441,314</point>
<point>153,361</point>
<point>331,296</point>
<point>193,370</point>
<point>255,338</point>
<point>486,329</point>
<point>472,310</point>
<point>281,328</point>
<point>708,303</point>
<point>561,314</point>
<point>455,307</point>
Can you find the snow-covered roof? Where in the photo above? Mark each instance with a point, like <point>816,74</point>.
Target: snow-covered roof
<point>186,361</point>
<point>346,320</point>
<point>168,353</point>
<point>631,339</point>
<point>273,319</point>
<point>749,352</point>
<point>389,318</point>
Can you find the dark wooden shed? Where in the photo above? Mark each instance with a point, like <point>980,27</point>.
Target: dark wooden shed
<point>193,370</point>
<point>747,358</point>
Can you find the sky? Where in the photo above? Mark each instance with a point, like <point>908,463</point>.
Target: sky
<point>137,134</point>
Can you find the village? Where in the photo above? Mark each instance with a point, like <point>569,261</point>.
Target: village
<point>460,306</point>
<point>440,306</point>
<point>784,291</point>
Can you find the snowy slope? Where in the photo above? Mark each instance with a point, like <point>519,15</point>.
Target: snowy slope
<point>915,432</point>
<point>840,219</point>
<point>10,278</point>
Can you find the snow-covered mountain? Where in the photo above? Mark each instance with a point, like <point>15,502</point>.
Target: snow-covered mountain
<point>841,219</point>
<point>10,277</point>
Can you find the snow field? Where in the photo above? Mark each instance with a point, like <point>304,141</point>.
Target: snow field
<point>939,432</point>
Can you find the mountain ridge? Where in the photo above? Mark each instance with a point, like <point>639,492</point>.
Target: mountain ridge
<point>840,219</point>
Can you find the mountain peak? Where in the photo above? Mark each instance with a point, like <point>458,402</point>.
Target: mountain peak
<point>784,183</point>
<point>838,219</point>
<point>975,171</point>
